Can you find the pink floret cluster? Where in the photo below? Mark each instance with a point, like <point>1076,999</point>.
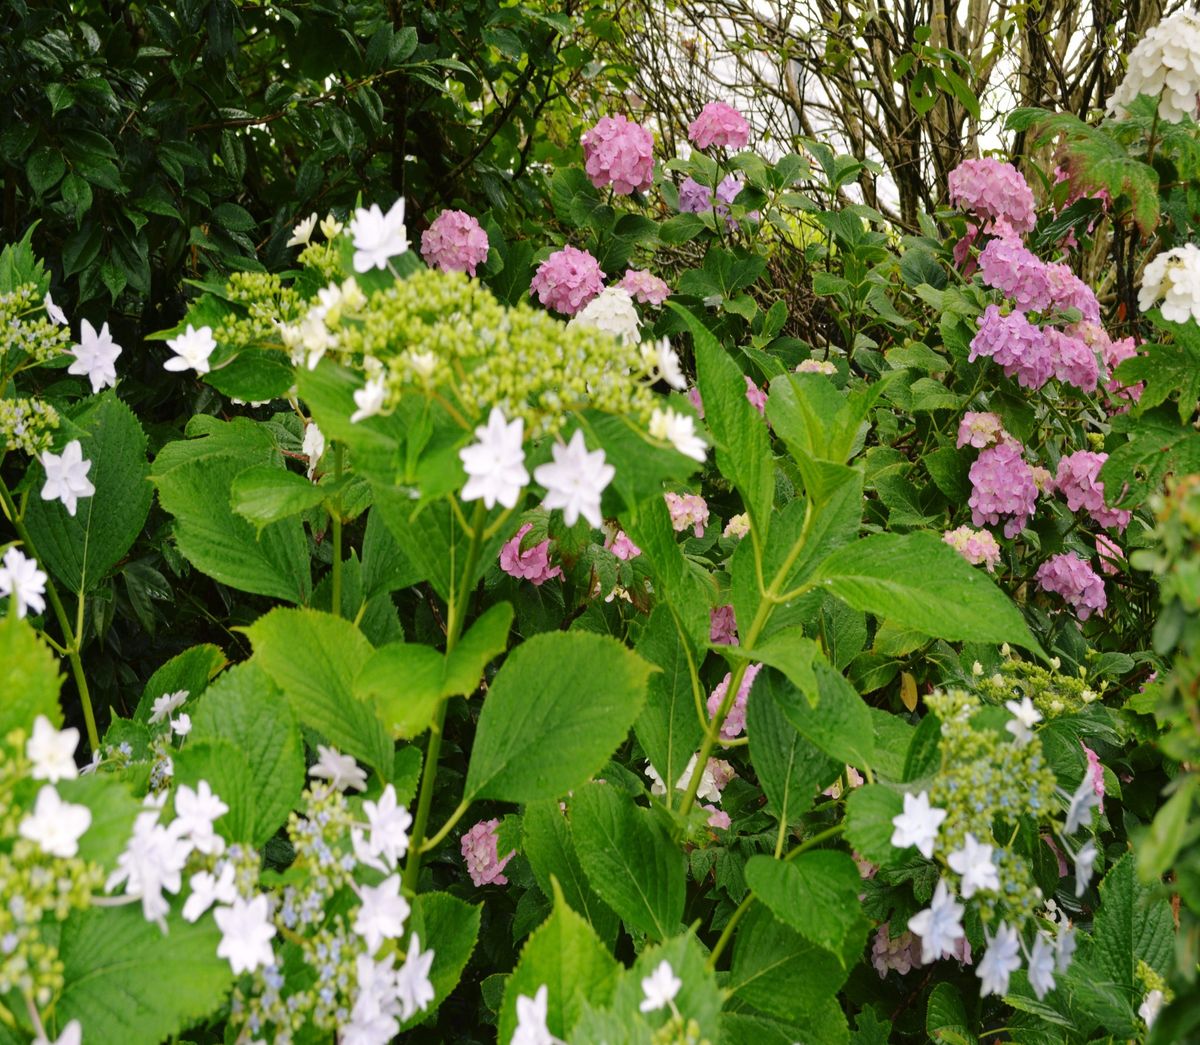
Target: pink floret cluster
<point>1002,489</point>
<point>1067,290</point>
<point>756,396</point>
<point>900,953</point>
<point>620,153</point>
<point>644,286</point>
<point>1015,344</point>
<point>1071,577</point>
<point>531,565</point>
<point>686,510</point>
<point>1078,481</point>
<point>622,547</point>
<point>454,242</point>
<point>1109,553</point>
<point>978,547</point>
<point>722,626</point>
<point>980,429</point>
<point>1074,360</point>
<point>995,192</point>
<point>1007,266</point>
<point>567,280</point>
<point>479,851</point>
<point>735,722</point>
<point>719,124</point>
<point>694,198</point>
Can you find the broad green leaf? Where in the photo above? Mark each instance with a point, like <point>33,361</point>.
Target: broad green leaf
<point>403,682</point>
<point>554,714</point>
<point>451,927</point>
<point>253,375</point>
<point>699,997</point>
<point>31,678</point>
<point>790,652</point>
<point>313,658</point>
<point>263,495</point>
<point>113,811</point>
<point>126,980</point>
<point>190,671</point>
<point>485,640</point>
<point>247,709</point>
<point>1167,832</point>
<point>839,723</point>
<point>816,894</point>
<point>668,728</point>
<point>194,477</point>
<point>565,955</point>
<point>642,465</point>
<point>385,568</point>
<point>1166,370</point>
<point>1158,446</point>
<point>81,549</point>
<point>791,769</point>
<point>550,849</point>
<point>223,765</point>
<point>919,581</point>
<point>629,859</point>
<point>1133,922</point>
<point>869,828</point>
<point>374,442</point>
<point>946,1017</point>
<point>824,1023</point>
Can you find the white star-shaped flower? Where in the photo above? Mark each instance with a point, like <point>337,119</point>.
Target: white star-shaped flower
<point>302,233</point>
<point>495,464</point>
<point>389,824</point>
<point>662,361</point>
<point>52,751</point>
<point>151,863</point>
<point>974,863</point>
<point>95,355</point>
<point>378,237</point>
<point>192,350</point>
<point>23,582</point>
<point>1041,966</point>
<point>575,480</point>
<point>246,933</point>
<point>939,925</point>
<point>56,826</point>
<point>66,476</point>
<point>1064,949</point>
<point>182,725</point>
<point>340,770</point>
<point>208,889</point>
<point>369,399</point>
<point>382,912</point>
<point>659,988</point>
<point>313,446</point>
<point>1026,716</point>
<point>195,812</point>
<point>1002,959</point>
<point>680,431</point>
<point>165,705</point>
<point>531,1026</point>
<point>330,226</point>
<point>413,988</point>
<point>918,824</point>
<point>373,1015</point>
<point>56,314</point>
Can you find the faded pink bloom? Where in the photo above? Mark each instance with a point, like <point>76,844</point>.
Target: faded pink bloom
<point>623,548</point>
<point>980,430</point>
<point>644,286</point>
<point>722,626</point>
<point>717,817</point>
<point>816,366</point>
<point>1071,577</point>
<point>1095,772</point>
<point>756,396</point>
<point>995,192</point>
<point>978,547</point>
<point>1110,554</point>
<point>721,772</point>
<point>531,565</point>
<point>735,722</point>
<point>719,124</point>
<point>866,869</point>
<point>901,953</point>
<point>1002,485</point>
<point>620,153</point>
<point>454,242</point>
<point>686,510</point>
<point>567,280</point>
<point>479,851</point>
<point>1077,480</point>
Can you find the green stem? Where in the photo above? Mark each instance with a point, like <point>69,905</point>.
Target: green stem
<point>335,597</point>
<point>454,623</point>
<point>71,637</point>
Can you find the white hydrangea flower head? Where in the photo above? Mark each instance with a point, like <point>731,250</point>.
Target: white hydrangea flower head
<point>1165,64</point>
<point>613,312</point>
<point>1174,276</point>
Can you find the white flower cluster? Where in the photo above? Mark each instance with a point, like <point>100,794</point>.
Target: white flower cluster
<point>1174,276</point>
<point>612,311</point>
<point>1165,64</point>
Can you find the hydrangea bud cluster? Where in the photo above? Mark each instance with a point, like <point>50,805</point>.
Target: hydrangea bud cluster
<point>27,424</point>
<point>620,153</point>
<point>1071,576</point>
<point>30,337</point>
<point>1174,277</point>
<point>1051,693</point>
<point>1165,64</point>
<point>994,192</point>
<point>1078,481</point>
<point>454,242</point>
<point>1002,489</point>
<point>567,280</point>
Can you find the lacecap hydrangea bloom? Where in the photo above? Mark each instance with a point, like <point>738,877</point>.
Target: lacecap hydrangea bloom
<point>995,192</point>
<point>1165,64</point>
<point>1078,481</point>
<point>620,153</point>
<point>454,242</point>
<point>1173,276</point>
<point>1070,576</point>
<point>719,124</point>
<point>978,547</point>
<point>567,280</point>
<point>1002,488</point>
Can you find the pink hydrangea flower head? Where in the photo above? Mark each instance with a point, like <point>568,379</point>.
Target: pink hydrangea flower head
<point>484,864</point>
<point>980,429</point>
<point>756,396</point>
<point>694,198</point>
<point>620,153</point>
<point>735,722</point>
<point>1002,488</point>
<point>1017,345</point>
<point>1115,353</point>
<point>1110,554</point>
<point>1067,290</point>
<point>1070,576</point>
<point>1008,267</point>
<point>719,124</point>
<point>717,817</point>
<point>567,280</point>
<point>722,626</point>
<point>1074,360</point>
<point>623,548</point>
<point>454,242</point>
<point>644,286</point>
<point>721,772</point>
<point>531,565</point>
<point>993,191</point>
<point>1078,481</point>
<point>900,953</point>
<point>978,547</point>
<point>1095,772</point>
<point>686,510</point>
